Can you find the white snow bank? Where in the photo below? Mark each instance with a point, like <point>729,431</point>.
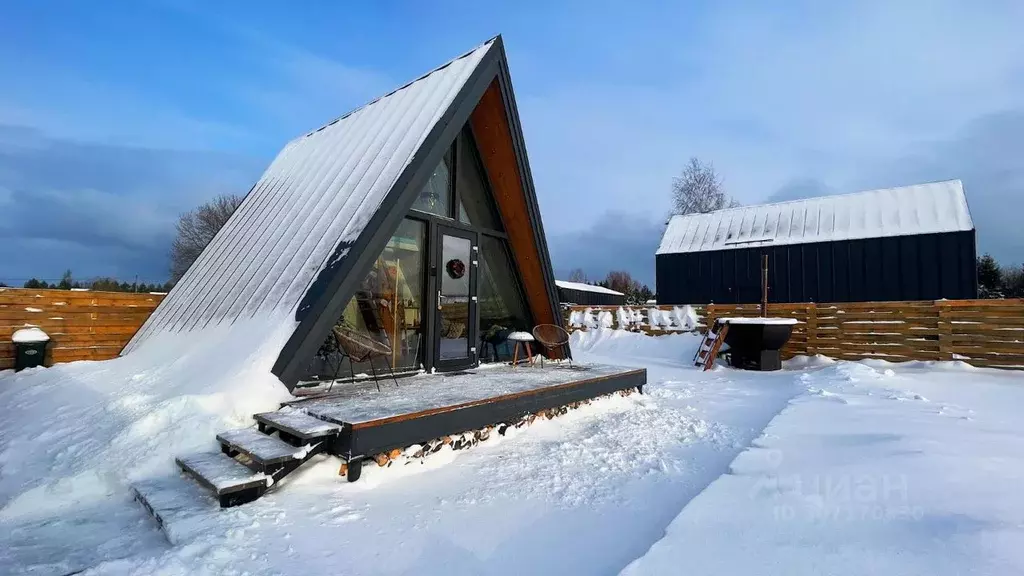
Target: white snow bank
<point>73,436</point>
<point>623,345</point>
<point>27,335</point>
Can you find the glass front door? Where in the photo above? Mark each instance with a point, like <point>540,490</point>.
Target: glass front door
<point>456,299</point>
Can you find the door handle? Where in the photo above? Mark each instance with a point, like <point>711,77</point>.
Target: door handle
<point>438,299</point>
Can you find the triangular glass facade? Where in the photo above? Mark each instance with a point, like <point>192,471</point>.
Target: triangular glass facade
<point>400,318</point>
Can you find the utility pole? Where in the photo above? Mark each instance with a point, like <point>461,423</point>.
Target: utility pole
<point>764,285</point>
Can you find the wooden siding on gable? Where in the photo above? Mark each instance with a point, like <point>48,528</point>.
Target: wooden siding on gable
<point>494,141</point>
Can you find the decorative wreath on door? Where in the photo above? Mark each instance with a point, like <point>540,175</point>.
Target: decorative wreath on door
<point>456,268</point>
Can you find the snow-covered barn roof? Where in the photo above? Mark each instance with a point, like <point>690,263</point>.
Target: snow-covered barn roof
<point>586,287</point>
<point>905,211</point>
<point>308,231</point>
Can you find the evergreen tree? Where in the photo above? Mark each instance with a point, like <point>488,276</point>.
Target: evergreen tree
<point>990,277</point>
<point>66,282</point>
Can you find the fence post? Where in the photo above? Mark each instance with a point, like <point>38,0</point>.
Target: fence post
<point>812,329</point>
<point>945,330</point>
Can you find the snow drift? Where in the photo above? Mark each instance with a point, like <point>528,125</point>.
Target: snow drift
<point>84,430</point>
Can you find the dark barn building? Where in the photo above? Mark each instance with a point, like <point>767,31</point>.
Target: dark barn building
<point>588,295</point>
<point>909,243</point>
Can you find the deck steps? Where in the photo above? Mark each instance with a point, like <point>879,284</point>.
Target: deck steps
<point>297,424</point>
<point>228,478</point>
<point>252,460</point>
<point>263,449</point>
<point>177,504</point>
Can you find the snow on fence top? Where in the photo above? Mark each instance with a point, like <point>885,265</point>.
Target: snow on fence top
<point>909,210</point>
<point>586,287</point>
<point>313,202</point>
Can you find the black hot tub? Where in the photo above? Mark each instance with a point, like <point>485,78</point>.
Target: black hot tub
<point>754,343</point>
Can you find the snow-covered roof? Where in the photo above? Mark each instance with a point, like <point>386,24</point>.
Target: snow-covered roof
<point>586,287</point>
<point>908,210</point>
<point>310,206</point>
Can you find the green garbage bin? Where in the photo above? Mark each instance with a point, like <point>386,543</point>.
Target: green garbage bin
<point>29,348</point>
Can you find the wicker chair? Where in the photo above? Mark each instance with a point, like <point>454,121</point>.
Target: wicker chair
<point>359,347</point>
<point>551,337</point>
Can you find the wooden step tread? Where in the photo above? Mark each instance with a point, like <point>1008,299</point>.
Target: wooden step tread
<point>221,473</point>
<point>298,423</point>
<point>264,449</point>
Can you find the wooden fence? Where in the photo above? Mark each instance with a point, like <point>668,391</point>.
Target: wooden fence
<point>981,332</point>
<point>82,325</point>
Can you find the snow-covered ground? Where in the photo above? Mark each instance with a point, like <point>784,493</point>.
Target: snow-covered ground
<point>876,468</point>
<point>820,468</point>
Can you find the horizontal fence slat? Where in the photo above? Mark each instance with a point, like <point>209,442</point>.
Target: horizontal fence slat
<point>82,325</point>
<point>994,303</point>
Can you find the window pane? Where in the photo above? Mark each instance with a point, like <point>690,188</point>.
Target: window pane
<point>436,195</point>
<point>476,203</point>
<point>502,308</point>
<point>453,301</point>
<point>386,307</point>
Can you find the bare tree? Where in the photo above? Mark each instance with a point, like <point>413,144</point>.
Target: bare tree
<point>578,275</point>
<point>196,228</point>
<point>621,281</point>
<point>699,189</point>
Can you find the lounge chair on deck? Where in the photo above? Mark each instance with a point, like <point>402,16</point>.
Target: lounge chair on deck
<point>359,347</point>
<point>551,337</point>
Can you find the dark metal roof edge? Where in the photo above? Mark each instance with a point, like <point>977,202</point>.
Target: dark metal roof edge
<point>399,89</point>
<point>331,290</point>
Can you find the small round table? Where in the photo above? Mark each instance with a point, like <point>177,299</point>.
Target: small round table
<point>523,338</point>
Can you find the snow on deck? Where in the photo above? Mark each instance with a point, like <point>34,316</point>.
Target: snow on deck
<point>909,210</point>
<point>264,447</point>
<point>220,471</point>
<point>357,404</point>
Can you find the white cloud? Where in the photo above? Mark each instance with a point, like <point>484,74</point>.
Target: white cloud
<point>825,93</point>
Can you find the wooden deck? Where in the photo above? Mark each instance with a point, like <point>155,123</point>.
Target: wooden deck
<point>428,406</point>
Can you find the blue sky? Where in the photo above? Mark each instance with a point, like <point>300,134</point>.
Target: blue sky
<point>117,116</point>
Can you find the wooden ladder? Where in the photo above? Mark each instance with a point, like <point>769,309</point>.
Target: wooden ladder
<point>710,345</point>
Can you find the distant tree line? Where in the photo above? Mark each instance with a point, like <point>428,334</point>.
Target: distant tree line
<point>995,281</point>
<point>104,284</point>
<point>620,281</point>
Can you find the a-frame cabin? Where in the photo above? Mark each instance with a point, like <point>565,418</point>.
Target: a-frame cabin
<point>355,223</point>
<point>412,223</point>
